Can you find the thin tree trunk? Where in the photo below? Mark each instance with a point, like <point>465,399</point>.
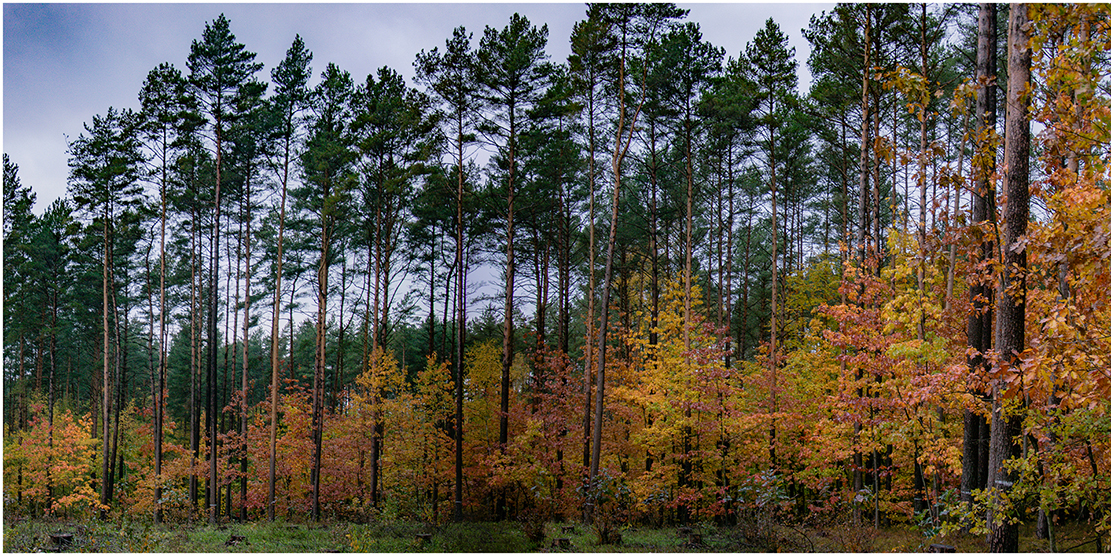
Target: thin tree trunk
<point>729,265</point>
<point>213,411</point>
<point>919,483</point>
<point>564,270</point>
<point>950,220</point>
<point>864,239</point>
<point>510,275</point>
<point>687,468</point>
<point>246,344</point>
<point>320,361</point>
<point>653,237</point>
<point>231,337</point>
<point>152,371</point>
<point>588,348</point>
<point>773,349</point>
<point>743,332</point>
<point>106,388</point>
<point>159,399</point>
<point>619,152</point>
<point>194,361</point>
<point>337,376</point>
<point>431,299</point>
<point>274,362</point>
<point>121,383</point>
<point>983,211</point>
<point>460,326</point>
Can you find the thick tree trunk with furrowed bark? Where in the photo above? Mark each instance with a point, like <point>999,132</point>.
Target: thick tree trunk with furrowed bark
<point>1006,429</point>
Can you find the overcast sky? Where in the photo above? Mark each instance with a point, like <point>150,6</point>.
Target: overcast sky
<point>65,63</point>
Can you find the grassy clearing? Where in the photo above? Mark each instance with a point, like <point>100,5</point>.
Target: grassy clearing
<point>408,537</point>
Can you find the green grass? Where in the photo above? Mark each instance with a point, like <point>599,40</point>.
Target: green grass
<point>399,536</point>
<point>137,536</point>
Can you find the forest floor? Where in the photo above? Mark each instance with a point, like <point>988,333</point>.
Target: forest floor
<point>281,537</point>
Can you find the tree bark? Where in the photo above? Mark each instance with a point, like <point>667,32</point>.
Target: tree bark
<point>460,325</point>
<point>983,214</point>
<point>194,359</point>
<point>320,360</point>
<point>106,388</point>
<point>274,361</point>
<point>213,411</point>
<point>864,238</point>
<point>619,152</point>
<point>1006,428</point>
<point>246,343</point>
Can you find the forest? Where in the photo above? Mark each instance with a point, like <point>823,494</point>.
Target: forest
<point>652,283</point>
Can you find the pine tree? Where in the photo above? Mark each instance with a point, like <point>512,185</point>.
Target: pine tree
<point>327,164</point>
<point>450,78</point>
<point>690,65</point>
<point>291,95</point>
<point>1006,425</point>
<point>635,28</point>
<point>512,73</point>
<point>772,70</point>
<point>105,174</point>
<point>218,67</point>
<point>168,113</point>
<point>974,462</point>
<point>590,65</point>
<point>393,127</point>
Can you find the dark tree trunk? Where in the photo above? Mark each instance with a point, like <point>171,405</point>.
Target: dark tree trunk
<point>983,214</point>
<point>320,360</point>
<point>1006,429</point>
<point>864,239</point>
<point>213,411</point>
<point>460,326</point>
<point>194,362</point>
<point>246,344</point>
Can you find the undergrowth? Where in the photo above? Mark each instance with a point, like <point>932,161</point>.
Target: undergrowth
<point>388,536</point>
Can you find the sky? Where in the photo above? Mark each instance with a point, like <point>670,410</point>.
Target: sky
<point>65,63</point>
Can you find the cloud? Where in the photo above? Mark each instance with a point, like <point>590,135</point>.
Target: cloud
<point>65,63</point>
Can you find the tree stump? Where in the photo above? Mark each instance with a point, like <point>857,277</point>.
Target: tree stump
<point>561,543</point>
<point>567,529</point>
<point>236,540</point>
<point>696,539</point>
<point>424,537</point>
<point>61,540</point>
<point>941,548</point>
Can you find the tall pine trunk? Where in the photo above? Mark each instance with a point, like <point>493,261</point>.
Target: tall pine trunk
<point>320,360</point>
<point>213,411</point>
<point>105,482</point>
<point>460,326</point>
<point>864,239</point>
<point>194,360</point>
<point>1006,429</point>
<point>274,360</point>
<point>246,344</point>
<point>159,398</point>
<point>983,215</point>
<point>588,347</point>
